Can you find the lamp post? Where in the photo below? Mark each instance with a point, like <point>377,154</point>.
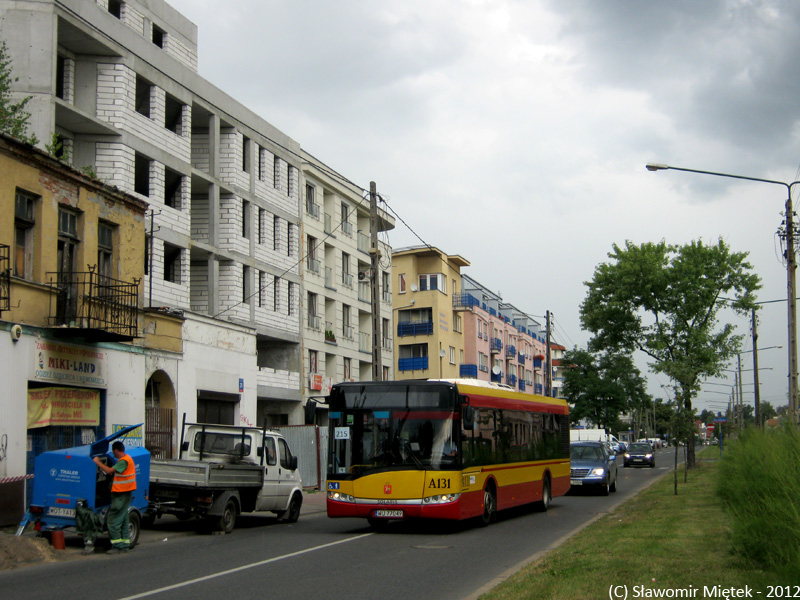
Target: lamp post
<point>791,267</point>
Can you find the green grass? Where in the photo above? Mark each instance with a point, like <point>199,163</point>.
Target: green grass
<point>657,540</point>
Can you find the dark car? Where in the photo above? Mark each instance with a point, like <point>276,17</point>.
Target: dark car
<point>640,454</point>
<point>593,465</point>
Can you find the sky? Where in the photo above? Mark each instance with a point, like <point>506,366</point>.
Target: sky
<point>515,133</point>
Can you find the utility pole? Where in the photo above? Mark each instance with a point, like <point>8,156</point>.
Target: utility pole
<point>548,373</point>
<point>757,393</point>
<point>375,260</point>
<point>741,395</point>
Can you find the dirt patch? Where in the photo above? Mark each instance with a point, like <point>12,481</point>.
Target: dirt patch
<point>27,550</point>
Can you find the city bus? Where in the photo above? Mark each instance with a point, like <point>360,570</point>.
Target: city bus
<point>443,449</point>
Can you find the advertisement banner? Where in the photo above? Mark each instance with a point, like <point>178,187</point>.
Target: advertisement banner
<point>67,364</point>
<point>53,406</point>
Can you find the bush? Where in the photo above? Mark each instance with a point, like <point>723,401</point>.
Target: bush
<point>759,484</point>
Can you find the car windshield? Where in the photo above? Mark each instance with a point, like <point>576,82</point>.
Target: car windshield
<point>640,448</point>
<point>585,453</point>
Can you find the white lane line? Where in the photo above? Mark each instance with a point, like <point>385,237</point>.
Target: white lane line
<point>242,568</point>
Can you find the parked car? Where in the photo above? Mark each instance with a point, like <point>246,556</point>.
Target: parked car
<point>640,454</point>
<point>593,465</point>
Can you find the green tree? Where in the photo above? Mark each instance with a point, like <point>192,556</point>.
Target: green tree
<point>664,300</point>
<point>13,116</point>
<point>600,387</point>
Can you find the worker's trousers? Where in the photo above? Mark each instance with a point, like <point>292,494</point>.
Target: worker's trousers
<point>118,521</point>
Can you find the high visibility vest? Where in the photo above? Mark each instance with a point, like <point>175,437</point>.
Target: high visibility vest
<point>125,481</point>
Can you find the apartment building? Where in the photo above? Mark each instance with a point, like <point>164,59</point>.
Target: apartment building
<point>115,85</point>
<point>76,345</point>
<point>449,325</point>
<point>429,340</point>
<point>337,279</point>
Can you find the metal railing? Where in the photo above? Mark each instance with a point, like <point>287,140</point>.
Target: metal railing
<point>88,300</point>
<point>5,278</point>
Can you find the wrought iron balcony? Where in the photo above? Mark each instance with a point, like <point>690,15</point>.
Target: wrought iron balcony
<point>497,378</point>
<point>464,301</point>
<point>511,351</point>
<point>496,344</point>
<point>521,385</point>
<point>94,306</point>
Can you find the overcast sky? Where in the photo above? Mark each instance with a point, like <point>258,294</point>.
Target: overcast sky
<point>516,133</point>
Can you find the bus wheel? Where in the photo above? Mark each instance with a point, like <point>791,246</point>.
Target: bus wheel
<point>547,495</point>
<point>489,506</point>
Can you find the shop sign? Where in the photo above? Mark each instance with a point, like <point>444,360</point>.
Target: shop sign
<point>68,364</point>
<point>62,406</point>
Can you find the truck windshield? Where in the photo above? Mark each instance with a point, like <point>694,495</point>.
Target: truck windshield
<point>397,427</point>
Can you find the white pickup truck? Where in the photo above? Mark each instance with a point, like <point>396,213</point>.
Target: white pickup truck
<point>223,471</point>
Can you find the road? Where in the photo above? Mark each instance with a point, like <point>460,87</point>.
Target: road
<point>321,557</point>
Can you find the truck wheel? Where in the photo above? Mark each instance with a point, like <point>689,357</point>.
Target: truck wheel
<point>293,512</point>
<point>134,528</point>
<point>227,519</point>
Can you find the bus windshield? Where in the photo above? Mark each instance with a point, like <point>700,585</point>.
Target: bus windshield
<point>399,430</point>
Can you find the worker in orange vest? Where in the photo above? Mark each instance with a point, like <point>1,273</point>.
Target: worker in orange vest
<point>124,471</point>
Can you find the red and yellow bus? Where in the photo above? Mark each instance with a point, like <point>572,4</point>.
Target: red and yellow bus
<point>443,449</point>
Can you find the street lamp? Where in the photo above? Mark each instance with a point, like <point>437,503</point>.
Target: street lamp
<point>791,266</point>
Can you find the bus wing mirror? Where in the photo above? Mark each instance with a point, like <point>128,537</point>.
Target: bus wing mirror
<point>469,416</point>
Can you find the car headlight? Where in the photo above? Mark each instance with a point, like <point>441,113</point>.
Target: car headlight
<point>598,471</point>
<point>441,499</point>
<point>649,456</point>
<point>340,497</point>
<point>627,455</point>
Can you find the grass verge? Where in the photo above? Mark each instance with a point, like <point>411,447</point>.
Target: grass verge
<point>656,540</point>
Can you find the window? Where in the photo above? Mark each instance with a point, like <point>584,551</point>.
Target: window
<point>247,291</point>
<point>401,284</point>
<point>172,188</point>
<point>386,374</point>
<point>173,115</point>
<point>284,453</point>
<point>289,238</point>
<point>262,280</point>
<point>245,154</point>
<point>387,295</point>
<point>245,219</point>
<point>276,293</point>
<point>115,8</point>
<point>24,221</point>
<point>311,255</point>
<point>457,322</point>
<point>105,250</point>
<point>347,276</point>
<point>276,172</point>
<point>313,361</point>
<point>67,301</point>
<point>347,227</point>
<point>158,36</point>
<point>141,175</point>
<point>435,281</point>
<point>311,205</point>
<point>276,233</point>
<point>142,100</point>
<point>260,162</point>
<point>290,181</point>
<point>260,224</point>
<point>347,330</point>
<point>313,319</point>
<point>452,355</point>
<point>483,362</point>
<point>61,71</point>
<point>347,376</point>
<point>172,263</point>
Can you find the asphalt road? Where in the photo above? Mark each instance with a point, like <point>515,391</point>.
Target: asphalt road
<point>318,556</point>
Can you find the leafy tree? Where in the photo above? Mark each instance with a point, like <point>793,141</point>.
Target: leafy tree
<point>664,300</point>
<point>13,116</point>
<point>600,387</point>
<point>767,411</point>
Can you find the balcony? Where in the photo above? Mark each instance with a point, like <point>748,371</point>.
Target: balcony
<point>93,306</point>
<point>496,345</point>
<point>386,343</point>
<point>347,228</point>
<point>313,265</point>
<point>511,351</point>
<point>497,378</point>
<point>347,280</point>
<point>362,242</point>
<point>406,329</point>
<point>329,278</point>
<point>464,301</point>
<point>521,385</point>
<point>419,363</point>
<point>5,278</point>
<point>468,371</point>
<point>328,224</point>
<point>312,208</point>
<point>314,322</point>
<point>521,358</point>
<point>511,380</point>
<point>347,332</point>
<point>365,342</point>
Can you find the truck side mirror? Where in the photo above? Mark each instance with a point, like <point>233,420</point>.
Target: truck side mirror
<point>185,447</point>
<point>293,463</point>
<point>260,451</point>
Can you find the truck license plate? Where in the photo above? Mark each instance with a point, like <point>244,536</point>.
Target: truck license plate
<point>389,514</point>
<point>58,511</point>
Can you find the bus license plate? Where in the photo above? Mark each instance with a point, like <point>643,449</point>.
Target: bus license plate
<point>58,511</point>
<point>389,514</point>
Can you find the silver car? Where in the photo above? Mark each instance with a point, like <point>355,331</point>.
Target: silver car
<point>591,464</point>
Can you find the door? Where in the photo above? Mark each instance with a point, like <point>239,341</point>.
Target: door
<point>269,493</point>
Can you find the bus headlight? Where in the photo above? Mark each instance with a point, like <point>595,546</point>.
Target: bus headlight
<point>340,497</point>
<point>441,499</point>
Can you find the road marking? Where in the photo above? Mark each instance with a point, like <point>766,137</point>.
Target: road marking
<point>242,568</point>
